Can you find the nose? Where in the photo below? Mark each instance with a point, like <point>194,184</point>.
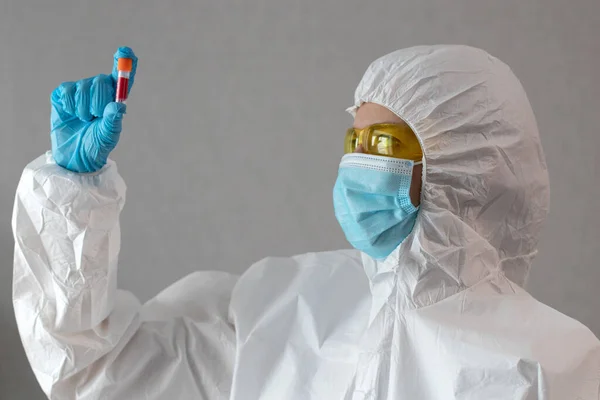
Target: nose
<point>359,149</point>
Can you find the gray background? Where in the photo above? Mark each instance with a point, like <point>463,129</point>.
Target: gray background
<point>234,128</point>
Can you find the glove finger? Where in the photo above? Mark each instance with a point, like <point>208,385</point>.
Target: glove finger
<point>110,127</point>
<point>125,52</point>
<point>66,96</point>
<point>102,92</point>
<point>82,99</point>
<point>58,115</point>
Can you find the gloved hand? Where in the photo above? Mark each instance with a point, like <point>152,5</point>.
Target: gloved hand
<point>85,120</point>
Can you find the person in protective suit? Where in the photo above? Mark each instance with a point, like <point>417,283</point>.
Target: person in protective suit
<point>442,193</point>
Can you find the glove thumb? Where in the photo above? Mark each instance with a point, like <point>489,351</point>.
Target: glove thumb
<point>111,124</point>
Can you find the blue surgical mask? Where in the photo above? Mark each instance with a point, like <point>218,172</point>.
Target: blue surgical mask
<point>371,199</point>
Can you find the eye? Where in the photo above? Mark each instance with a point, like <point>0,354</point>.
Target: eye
<point>386,144</point>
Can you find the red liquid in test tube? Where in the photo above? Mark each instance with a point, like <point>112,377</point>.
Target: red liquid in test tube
<point>123,71</point>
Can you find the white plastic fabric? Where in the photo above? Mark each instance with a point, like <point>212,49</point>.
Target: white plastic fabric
<point>443,317</point>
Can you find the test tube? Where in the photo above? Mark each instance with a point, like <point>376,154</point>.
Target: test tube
<point>123,71</point>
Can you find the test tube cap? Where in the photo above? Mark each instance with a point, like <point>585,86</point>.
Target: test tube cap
<point>124,64</point>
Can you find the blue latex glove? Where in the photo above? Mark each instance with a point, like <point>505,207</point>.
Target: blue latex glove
<point>85,121</point>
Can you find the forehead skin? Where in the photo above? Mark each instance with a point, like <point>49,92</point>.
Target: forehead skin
<point>370,113</point>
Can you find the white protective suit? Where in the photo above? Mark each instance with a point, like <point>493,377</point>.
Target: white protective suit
<point>443,317</point>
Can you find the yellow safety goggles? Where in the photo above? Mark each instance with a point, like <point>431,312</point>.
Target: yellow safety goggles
<point>390,140</point>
